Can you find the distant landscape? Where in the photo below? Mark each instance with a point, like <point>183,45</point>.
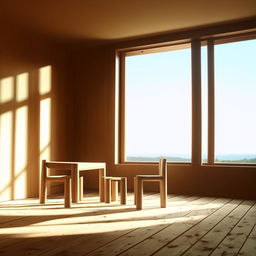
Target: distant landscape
<point>186,159</point>
<point>156,158</point>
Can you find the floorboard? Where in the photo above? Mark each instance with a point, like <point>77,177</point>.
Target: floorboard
<point>189,226</point>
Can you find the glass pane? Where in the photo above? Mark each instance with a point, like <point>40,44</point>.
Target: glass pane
<point>158,106</point>
<point>235,102</point>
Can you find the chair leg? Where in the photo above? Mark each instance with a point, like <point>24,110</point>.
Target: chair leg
<point>43,184</point>
<point>107,190</point>
<point>163,193</point>
<point>81,185</point>
<point>123,190</point>
<point>135,189</point>
<point>67,193</point>
<point>43,195</point>
<point>114,190</point>
<point>139,193</point>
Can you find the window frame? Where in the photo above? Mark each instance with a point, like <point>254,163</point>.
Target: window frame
<point>196,43</point>
<point>120,93</point>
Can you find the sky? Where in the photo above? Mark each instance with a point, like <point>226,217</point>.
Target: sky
<point>235,93</point>
<point>158,101</point>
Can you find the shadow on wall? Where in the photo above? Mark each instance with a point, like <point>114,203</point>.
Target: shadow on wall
<point>25,131</point>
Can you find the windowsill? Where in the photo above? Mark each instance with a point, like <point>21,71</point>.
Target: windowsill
<point>230,165</point>
<point>153,163</point>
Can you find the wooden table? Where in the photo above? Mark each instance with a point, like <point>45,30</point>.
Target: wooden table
<point>76,168</point>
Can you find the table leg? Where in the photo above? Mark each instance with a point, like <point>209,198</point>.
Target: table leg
<point>108,191</point>
<point>102,175</point>
<point>75,184</point>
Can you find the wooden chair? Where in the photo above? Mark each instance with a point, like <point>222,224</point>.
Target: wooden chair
<point>66,179</point>
<point>111,189</point>
<point>161,178</point>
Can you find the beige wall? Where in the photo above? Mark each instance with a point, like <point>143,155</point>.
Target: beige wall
<point>20,149</point>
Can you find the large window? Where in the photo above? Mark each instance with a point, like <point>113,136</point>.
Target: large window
<point>191,103</point>
<point>157,109</point>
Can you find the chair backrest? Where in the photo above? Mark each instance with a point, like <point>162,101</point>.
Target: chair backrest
<point>163,167</point>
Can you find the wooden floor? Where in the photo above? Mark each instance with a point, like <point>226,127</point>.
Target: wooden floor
<point>188,226</point>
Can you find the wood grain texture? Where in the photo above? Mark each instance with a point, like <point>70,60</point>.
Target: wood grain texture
<point>234,240</point>
<point>188,226</point>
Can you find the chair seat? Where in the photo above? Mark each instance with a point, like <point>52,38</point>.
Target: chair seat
<point>113,178</point>
<point>58,177</point>
<point>150,177</point>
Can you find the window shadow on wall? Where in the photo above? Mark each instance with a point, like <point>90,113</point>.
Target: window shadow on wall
<point>25,131</point>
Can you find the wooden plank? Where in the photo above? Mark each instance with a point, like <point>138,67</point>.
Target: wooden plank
<point>30,214</point>
<point>237,237</point>
<point>80,246</point>
<point>195,213</point>
<point>93,228</point>
<point>6,219</point>
<point>209,242</point>
<point>137,235</point>
<point>187,239</point>
<point>249,248</point>
<point>53,232</point>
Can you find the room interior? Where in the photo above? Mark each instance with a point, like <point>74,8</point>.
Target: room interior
<point>58,101</point>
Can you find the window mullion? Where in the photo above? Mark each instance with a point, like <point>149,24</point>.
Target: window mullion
<point>196,103</point>
<point>211,108</point>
